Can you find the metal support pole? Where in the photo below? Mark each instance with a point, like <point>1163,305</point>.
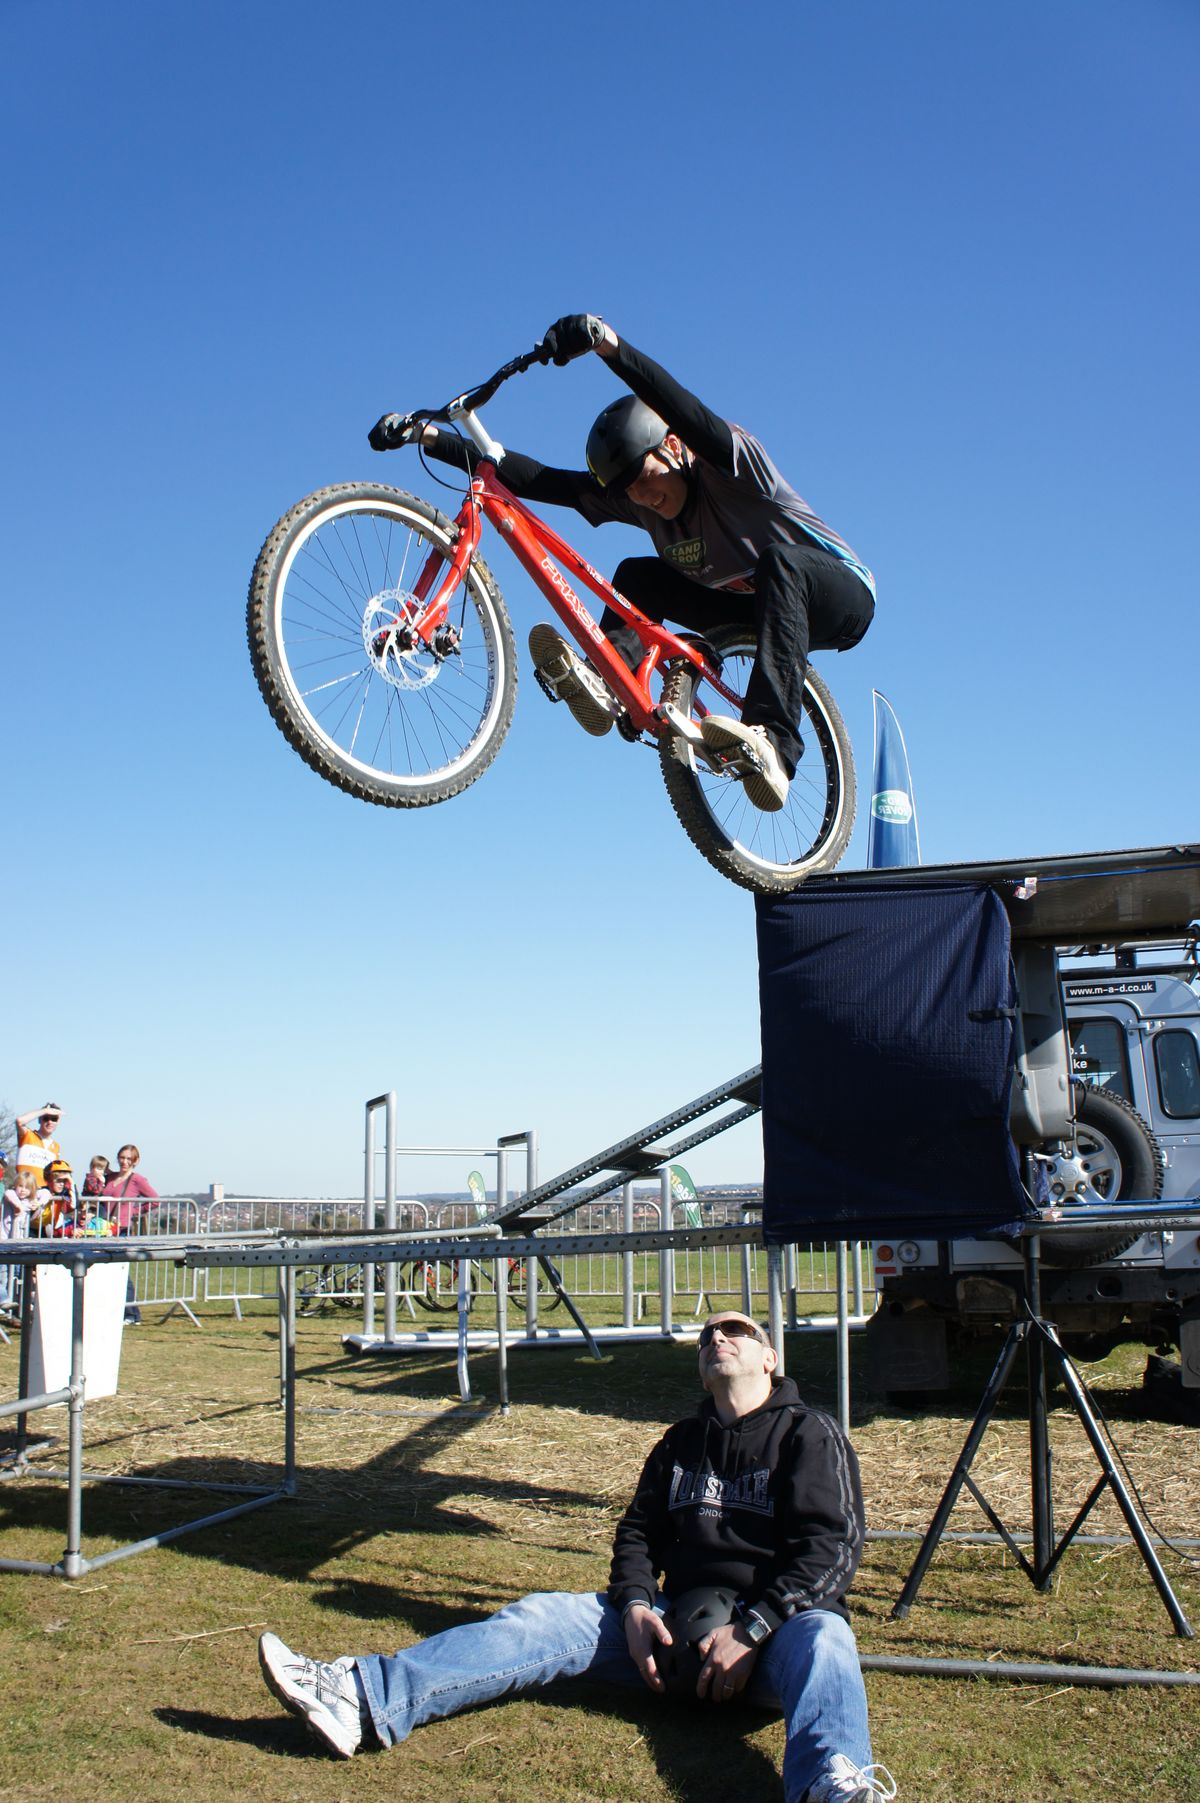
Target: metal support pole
<point>790,1269</point>
<point>27,1293</point>
<point>369,1213</point>
<point>464,1323</point>
<point>856,1274</point>
<point>281,1309</point>
<point>1040,1457</point>
<point>627,1257</point>
<point>775,1304</point>
<point>288,1398</point>
<point>500,1267</point>
<point>72,1560</point>
<point>749,1254</point>
<point>389,1212</point>
<point>666,1258</point>
<point>843,1341</point>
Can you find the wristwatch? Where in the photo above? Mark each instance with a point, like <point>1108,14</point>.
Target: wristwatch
<point>756,1628</point>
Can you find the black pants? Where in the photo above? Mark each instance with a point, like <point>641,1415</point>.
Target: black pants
<point>804,600</point>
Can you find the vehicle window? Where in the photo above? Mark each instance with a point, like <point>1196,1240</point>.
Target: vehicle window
<point>1098,1056</point>
<point>1177,1063</point>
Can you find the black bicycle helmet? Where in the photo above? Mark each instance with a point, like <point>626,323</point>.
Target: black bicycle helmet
<point>690,1618</point>
<point>618,442</point>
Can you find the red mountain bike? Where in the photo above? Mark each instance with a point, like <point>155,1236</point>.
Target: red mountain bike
<point>385,653</point>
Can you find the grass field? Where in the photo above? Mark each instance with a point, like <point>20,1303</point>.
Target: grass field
<point>141,1679</point>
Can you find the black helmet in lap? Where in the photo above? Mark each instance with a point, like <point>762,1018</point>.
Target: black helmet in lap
<point>690,1618</point>
<point>618,442</point>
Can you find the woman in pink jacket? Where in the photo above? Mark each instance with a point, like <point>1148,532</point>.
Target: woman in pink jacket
<point>126,1198</point>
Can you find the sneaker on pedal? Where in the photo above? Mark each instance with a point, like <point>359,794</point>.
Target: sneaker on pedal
<point>562,673</point>
<point>844,1782</point>
<point>325,1697</point>
<point>753,756</point>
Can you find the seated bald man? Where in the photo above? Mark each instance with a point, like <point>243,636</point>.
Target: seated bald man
<point>754,1504</point>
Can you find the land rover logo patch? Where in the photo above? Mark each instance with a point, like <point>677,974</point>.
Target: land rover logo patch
<point>892,806</point>
<point>687,555</point>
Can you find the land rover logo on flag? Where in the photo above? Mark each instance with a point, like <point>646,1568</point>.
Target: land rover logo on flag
<point>477,1190</point>
<point>893,806</point>
<point>892,837</point>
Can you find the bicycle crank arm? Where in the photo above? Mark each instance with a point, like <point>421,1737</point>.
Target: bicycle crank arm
<point>686,737</point>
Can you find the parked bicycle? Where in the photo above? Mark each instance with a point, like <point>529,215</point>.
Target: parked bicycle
<point>383,648</point>
<point>433,1284</point>
<point>319,1287</point>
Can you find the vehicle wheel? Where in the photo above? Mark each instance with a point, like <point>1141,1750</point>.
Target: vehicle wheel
<point>1115,1158</point>
<point>770,853</point>
<point>332,591</point>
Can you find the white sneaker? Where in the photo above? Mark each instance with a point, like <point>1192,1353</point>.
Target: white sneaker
<point>325,1697</point>
<point>752,754</point>
<point>562,673</point>
<point>844,1782</point>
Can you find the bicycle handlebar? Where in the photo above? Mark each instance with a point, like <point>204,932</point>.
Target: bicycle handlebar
<point>479,397</point>
<point>475,397</point>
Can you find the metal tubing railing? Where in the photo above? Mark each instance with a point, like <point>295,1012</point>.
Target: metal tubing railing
<point>79,1257</point>
<point>843,1342</point>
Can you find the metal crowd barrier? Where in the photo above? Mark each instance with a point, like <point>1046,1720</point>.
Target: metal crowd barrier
<point>692,1279</point>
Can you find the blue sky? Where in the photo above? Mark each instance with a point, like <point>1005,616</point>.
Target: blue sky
<point>941,259</point>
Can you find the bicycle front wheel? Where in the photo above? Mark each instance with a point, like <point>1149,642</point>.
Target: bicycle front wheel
<point>769,853</point>
<point>365,701</point>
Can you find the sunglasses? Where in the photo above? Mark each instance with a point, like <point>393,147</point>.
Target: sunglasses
<point>730,1330</point>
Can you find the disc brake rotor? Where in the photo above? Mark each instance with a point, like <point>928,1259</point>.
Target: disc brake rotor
<point>397,653</point>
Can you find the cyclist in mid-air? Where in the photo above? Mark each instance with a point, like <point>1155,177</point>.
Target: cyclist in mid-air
<point>735,544</point>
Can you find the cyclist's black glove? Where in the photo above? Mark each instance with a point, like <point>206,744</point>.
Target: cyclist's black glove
<point>572,336</point>
<point>393,430</point>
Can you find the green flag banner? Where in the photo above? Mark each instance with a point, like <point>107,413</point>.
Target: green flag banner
<point>683,1192</point>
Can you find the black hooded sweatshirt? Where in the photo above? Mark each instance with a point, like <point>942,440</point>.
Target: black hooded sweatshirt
<point>770,1507</point>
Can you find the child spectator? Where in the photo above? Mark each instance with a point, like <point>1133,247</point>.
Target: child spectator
<point>58,1200</point>
<point>14,1225</point>
<point>97,1177</point>
<point>89,1222</point>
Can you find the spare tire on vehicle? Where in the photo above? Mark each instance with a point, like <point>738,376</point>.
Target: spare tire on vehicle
<point>1115,1158</point>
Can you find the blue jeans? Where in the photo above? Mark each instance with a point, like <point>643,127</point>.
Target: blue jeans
<point>808,1669</point>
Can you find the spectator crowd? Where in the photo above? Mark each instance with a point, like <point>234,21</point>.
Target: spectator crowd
<point>44,1202</point>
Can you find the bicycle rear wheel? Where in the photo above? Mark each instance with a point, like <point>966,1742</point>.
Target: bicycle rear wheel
<point>367,704</point>
<point>518,1288</point>
<point>770,853</point>
<point>433,1284</point>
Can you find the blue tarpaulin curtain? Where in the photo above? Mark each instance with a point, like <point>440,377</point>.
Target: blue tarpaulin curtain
<point>887,1062</point>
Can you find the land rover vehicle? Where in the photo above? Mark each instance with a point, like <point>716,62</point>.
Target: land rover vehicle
<point>1133,1022</point>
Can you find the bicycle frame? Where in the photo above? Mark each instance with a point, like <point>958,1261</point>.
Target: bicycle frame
<point>541,551</point>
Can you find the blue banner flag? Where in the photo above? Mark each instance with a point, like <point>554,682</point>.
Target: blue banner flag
<point>892,837</point>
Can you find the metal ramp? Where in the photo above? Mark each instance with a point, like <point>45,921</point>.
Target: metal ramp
<point>638,1154</point>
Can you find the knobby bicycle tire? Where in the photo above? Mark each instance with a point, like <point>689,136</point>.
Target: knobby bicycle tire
<point>389,721</point>
<point>768,853</point>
